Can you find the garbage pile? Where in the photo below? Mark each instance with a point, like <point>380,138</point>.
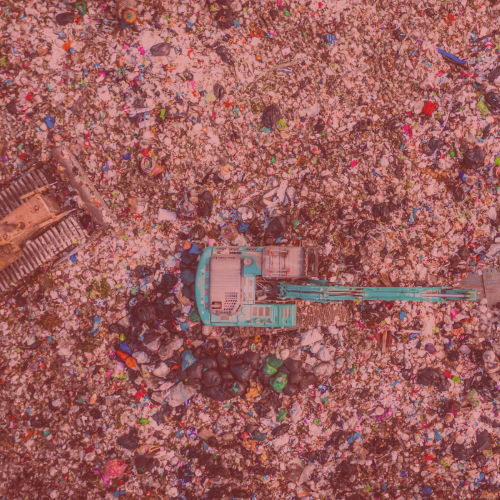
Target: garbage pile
<point>369,130</point>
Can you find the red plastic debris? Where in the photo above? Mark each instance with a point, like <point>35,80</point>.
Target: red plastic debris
<point>429,108</point>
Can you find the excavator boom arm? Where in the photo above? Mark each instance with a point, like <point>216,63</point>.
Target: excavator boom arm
<point>323,291</point>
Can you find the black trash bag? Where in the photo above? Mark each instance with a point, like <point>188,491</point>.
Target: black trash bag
<point>205,204</point>
<point>431,146</point>
<point>276,228</point>
<point>208,363</point>
<point>224,19</point>
<point>188,260</point>
<point>241,371</point>
<point>293,365</point>
<point>11,107</point>
<point>222,361</point>
<point>211,378</point>
<point>189,292</point>
<point>294,378</point>
<point>188,277</point>
<point>483,441</point>
<point>452,355</point>
<point>129,441</point>
<point>194,372</point>
<point>432,377</point>
<point>473,158</point>
<point>226,375</point>
<point>144,463</point>
<point>271,116</point>
<point>486,387</point>
<point>218,393</point>
<point>64,18</point>
<point>290,389</point>
<point>224,54</point>
<point>168,281</point>
<point>163,311</point>
<point>493,101</point>
<point>219,91</point>
<point>144,313</point>
<point>160,49</point>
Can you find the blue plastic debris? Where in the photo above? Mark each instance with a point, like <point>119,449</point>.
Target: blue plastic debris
<point>354,437</point>
<point>243,227</point>
<point>194,249</point>
<point>49,121</point>
<point>73,258</point>
<point>452,58</point>
<point>96,326</point>
<point>125,348</point>
<point>187,359</point>
<point>427,491</point>
<point>402,315</point>
<point>330,39</point>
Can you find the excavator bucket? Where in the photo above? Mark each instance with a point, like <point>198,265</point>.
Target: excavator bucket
<point>487,286</point>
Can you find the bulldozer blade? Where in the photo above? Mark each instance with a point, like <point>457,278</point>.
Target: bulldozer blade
<point>93,201</point>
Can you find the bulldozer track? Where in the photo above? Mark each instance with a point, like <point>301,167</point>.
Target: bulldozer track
<point>64,235</point>
<point>10,197</point>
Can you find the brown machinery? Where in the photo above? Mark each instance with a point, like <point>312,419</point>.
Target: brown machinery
<point>44,214</point>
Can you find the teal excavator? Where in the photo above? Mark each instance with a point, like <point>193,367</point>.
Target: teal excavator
<point>268,286</point>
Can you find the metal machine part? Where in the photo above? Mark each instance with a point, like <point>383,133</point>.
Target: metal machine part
<point>262,287</point>
<point>38,225</point>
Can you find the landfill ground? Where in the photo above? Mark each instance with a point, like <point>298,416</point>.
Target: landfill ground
<point>367,128</point>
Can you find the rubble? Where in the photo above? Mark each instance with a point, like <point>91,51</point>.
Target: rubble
<point>370,132</point>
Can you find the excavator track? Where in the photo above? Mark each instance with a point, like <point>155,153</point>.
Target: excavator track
<point>309,315</point>
<point>61,237</point>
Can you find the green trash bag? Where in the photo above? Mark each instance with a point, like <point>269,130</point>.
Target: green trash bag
<point>272,364</point>
<point>279,382</point>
